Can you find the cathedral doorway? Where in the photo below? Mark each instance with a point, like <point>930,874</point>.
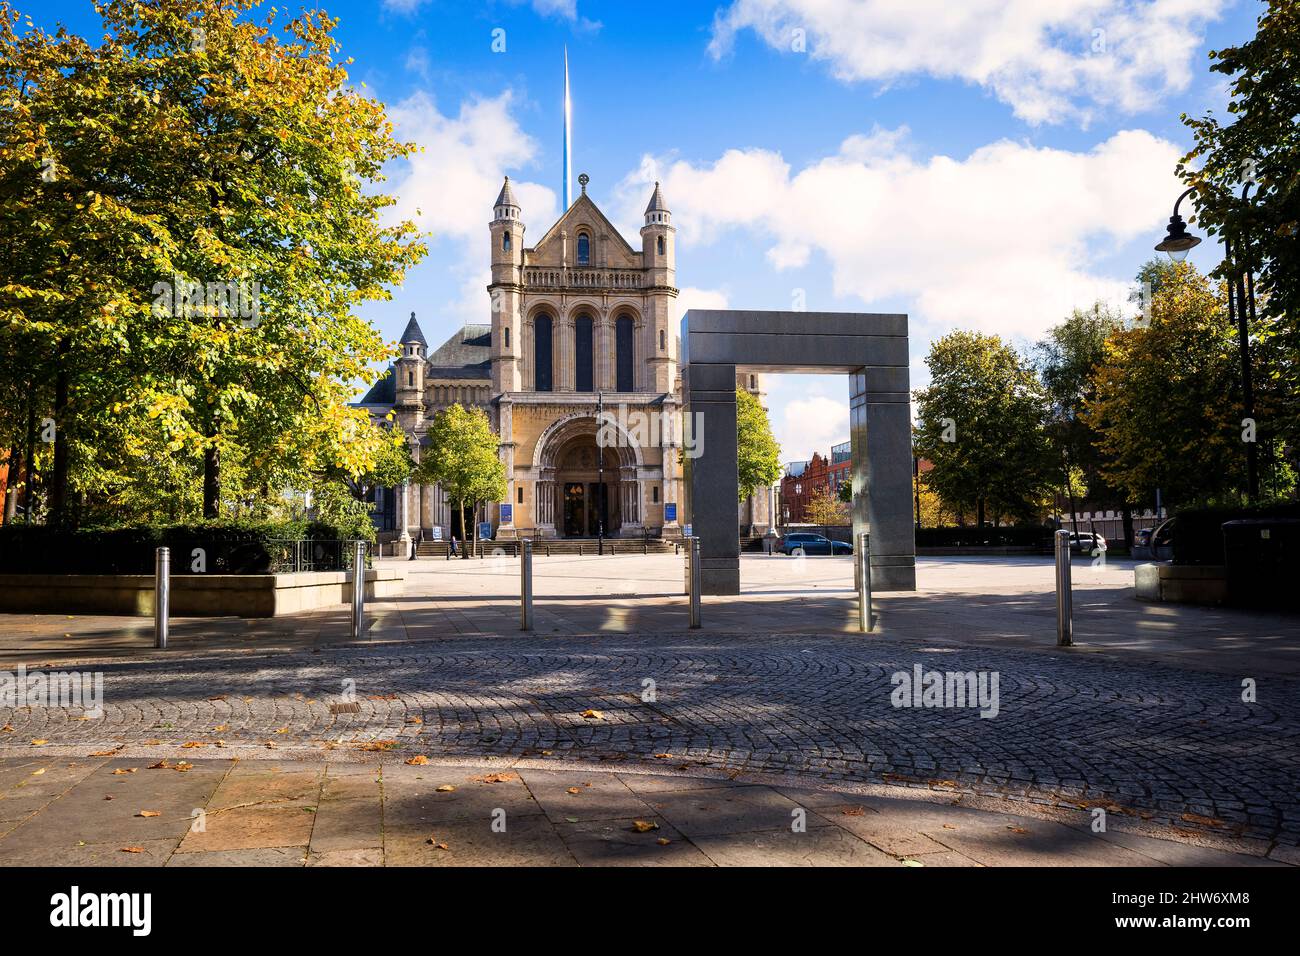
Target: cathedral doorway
<point>578,482</point>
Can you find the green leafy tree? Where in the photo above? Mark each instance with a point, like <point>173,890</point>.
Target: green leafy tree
<point>981,423</point>
<point>1258,143</point>
<point>1165,400</point>
<point>758,456</point>
<point>198,198</point>
<point>462,457</point>
<point>1067,359</point>
<point>826,508</point>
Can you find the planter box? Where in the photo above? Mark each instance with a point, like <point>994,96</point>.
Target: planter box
<point>1182,584</point>
<point>192,595</point>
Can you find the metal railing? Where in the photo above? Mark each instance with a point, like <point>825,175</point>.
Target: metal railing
<point>289,556</point>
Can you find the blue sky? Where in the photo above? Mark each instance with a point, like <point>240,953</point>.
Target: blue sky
<point>986,164</point>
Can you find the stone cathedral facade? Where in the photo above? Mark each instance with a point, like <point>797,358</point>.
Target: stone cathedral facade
<point>580,322</point>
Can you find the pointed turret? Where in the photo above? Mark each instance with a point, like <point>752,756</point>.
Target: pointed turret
<point>414,334</point>
<point>657,210</point>
<point>505,207</point>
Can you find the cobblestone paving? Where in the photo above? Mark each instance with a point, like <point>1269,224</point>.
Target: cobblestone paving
<point>1171,746</point>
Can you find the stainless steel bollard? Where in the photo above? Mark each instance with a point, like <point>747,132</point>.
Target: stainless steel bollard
<point>1064,595</point>
<point>525,585</point>
<point>697,577</point>
<point>162,586</point>
<point>358,589</point>
<point>863,555</point>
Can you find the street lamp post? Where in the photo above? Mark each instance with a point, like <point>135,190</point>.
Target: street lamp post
<point>1241,311</point>
<point>600,476</point>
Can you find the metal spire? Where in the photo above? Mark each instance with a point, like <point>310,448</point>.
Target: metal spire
<point>568,133</point>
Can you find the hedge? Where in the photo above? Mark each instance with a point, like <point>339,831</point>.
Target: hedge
<point>986,537</point>
<point>230,547</point>
<point>1197,533</point>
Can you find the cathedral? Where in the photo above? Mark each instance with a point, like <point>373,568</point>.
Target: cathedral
<point>582,332</point>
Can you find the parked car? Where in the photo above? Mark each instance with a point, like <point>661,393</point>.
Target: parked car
<point>1085,542</point>
<point>806,543</point>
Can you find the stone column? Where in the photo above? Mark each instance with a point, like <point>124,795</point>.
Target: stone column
<point>712,482</point>
<point>881,433</point>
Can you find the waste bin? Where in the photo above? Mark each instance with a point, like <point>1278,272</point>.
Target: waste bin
<point>1262,561</point>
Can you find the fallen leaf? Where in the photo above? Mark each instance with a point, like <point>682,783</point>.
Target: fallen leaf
<point>160,765</point>
<point>546,753</point>
<point>1014,829</point>
<point>497,778</point>
<point>121,770</point>
<point>663,841</point>
<point>39,742</point>
<point>37,773</point>
<point>853,811</point>
<point>107,753</point>
<point>132,849</point>
<point>949,826</point>
<point>183,766</point>
<point>913,863</point>
<point>218,697</point>
<point>7,729</point>
<point>153,743</point>
<point>220,728</point>
<point>415,720</point>
<point>571,819</point>
<point>436,845</point>
<point>1202,821</point>
<point>663,756</point>
<point>282,730</point>
<point>573,790</point>
<point>380,745</point>
<point>593,715</point>
<point>445,788</point>
<point>108,797</point>
<point>149,813</point>
<point>419,760</point>
<point>644,826</point>
<point>191,744</point>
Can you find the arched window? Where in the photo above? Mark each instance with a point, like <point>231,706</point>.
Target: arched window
<point>623,353</point>
<point>507,336</point>
<point>542,353</point>
<point>660,245</point>
<point>505,242</point>
<point>410,378</point>
<point>584,249</point>
<point>662,340</point>
<point>582,354</point>
<point>753,382</point>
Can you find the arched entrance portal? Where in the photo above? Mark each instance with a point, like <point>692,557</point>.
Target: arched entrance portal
<point>582,501</point>
<point>576,490</point>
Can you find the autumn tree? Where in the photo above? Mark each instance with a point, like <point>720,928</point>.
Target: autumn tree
<point>826,508</point>
<point>1067,358</point>
<point>758,456</point>
<point>211,223</point>
<point>1166,399</point>
<point>981,423</point>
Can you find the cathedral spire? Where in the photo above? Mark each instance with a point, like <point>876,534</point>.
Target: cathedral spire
<point>568,136</point>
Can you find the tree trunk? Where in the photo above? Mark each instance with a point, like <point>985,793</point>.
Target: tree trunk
<point>979,512</point>
<point>211,482</point>
<point>464,532</point>
<point>12,479</point>
<point>58,485</point>
<point>1126,512</point>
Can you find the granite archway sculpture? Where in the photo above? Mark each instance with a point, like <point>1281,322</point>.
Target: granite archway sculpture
<point>872,350</point>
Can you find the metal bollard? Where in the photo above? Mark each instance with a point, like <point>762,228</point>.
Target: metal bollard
<point>696,581</point>
<point>525,585</point>
<point>1064,594</point>
<point>863,555</point>
<point>162,586</point>
<point>358,589</point>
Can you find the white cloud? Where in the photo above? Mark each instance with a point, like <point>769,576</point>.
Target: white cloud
<point>450,185</point>
<point>1002,240</point>
<point>1049,59</point>
<point>448,188</point>
<point>811,423</point>
<point>417,62</point>
<point>691,298</point>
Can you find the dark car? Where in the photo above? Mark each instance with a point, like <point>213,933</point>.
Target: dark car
<point>805,543</point>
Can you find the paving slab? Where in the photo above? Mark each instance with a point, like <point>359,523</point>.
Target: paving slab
<point>642,841</point>
<point>818,846</point>
<point>526,841</point>
<point>259,856</point>
<point>722,810</point>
